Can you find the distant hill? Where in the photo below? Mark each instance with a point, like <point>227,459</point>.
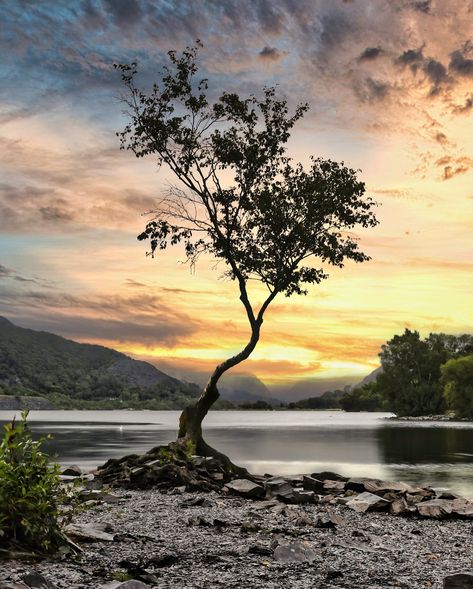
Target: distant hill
<point>316,387</point>
<point>236,387</point>
<point>70,374</point>
<point>371,377</point>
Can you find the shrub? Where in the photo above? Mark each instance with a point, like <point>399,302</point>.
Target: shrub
<point>30,492</point>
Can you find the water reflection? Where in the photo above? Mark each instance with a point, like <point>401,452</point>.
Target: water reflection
<point>278,442</point>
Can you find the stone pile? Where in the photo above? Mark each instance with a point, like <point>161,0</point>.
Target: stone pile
<point>361,495</point>
<point>157,469</point>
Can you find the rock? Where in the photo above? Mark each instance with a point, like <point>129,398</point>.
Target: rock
<point>133,584</point>
<point>260,550</point>
<point>333,574</point>
<point>162,560</point>
<point>37,581</point>
<point>198,520</point>
<point>357,485</point>
<point>334,486</point>
<point>301,496</point>
<point>90,532</point>
<point>67,478</point>
<point>245,488</point>
<point>367,502</point>
<point>294,552</point>
<point>280,488</point>
<point>446,495</point>
<point>326,522</point>
<point>414,499</point>
<point>72,471</point>
<point>399,506</point>
<point>436,508</point>
<point>295,479</point>
<point>197,501</point>
<point>462,508</point>
<point>328,476</point>
<point>312,484</point>
<point>458,581</point>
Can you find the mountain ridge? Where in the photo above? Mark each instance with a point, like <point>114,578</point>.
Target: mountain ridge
<point>42,363</point>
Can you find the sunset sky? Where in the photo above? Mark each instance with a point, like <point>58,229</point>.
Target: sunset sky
<point>390,88</point>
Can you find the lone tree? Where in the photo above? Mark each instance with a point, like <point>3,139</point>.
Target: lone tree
<point>240,198</point>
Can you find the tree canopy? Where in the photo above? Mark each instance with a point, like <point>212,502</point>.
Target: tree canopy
<point>457,377</point>
<point>240,197</point>
<point>410,380</point>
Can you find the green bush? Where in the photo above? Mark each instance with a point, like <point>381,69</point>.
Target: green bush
<point>30,492</point>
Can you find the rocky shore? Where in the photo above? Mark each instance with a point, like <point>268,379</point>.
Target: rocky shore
<point>195,527</point>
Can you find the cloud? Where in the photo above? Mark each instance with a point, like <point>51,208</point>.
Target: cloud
<point>370,54</point>
<point>465,108</point>
<point>370,90</point>
<point>411,57</point>
<point>270,53</point>
<point>14,275</point>
<point>461,65</point>
<point>124,13</point>
<point>441,138</point>
<point>423,6</point>
<point>436,73</point>
<point>454,166</point>
<point>143,319</point>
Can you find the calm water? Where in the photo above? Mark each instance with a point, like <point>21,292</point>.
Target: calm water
<point>354,444</point>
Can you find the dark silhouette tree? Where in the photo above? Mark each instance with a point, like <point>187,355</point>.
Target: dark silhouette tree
<point>240,198</point>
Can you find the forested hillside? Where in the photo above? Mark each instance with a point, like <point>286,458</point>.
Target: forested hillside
<point>70,374</point>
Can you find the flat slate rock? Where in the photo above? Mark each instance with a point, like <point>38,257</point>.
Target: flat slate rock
<point>294,552</point>
<point>458,581</point>
<point>90,532</point>
<point>367,502</point>
<point>436,508</point>
<point>246,488</point>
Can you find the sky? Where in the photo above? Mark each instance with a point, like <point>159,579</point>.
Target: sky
<point>390,89</point>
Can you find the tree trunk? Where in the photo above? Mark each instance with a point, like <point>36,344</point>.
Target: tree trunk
<point>190,421</point>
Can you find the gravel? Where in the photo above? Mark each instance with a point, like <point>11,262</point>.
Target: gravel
<point>175,540</point>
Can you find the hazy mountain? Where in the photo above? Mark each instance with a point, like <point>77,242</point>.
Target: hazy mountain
<point>314,387</point>
<point>237,387</point>
<point>371,377</point>
<point>37,362</point>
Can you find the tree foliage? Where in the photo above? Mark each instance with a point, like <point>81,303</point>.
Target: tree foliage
<point>365,398</point>
<point>410,380</point>
<point>457,378</point>
<point>271,216</point>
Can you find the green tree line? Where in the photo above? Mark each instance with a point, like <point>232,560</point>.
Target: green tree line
<point>420,377</point>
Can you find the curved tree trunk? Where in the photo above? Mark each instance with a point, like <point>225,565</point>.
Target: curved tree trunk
<point>190,421</point>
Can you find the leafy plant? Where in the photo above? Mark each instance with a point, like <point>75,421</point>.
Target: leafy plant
<point>31,495</point>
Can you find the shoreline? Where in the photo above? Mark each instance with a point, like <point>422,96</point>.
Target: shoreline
<point>199,527</point>
<point>175,539</point>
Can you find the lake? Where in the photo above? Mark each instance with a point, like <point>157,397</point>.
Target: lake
<point>280,442</point>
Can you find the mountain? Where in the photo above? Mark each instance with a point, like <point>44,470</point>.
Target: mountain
<point>315,387</point>
<point>70,374</point>
<point>236,387</point>
<point>371,377</point>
